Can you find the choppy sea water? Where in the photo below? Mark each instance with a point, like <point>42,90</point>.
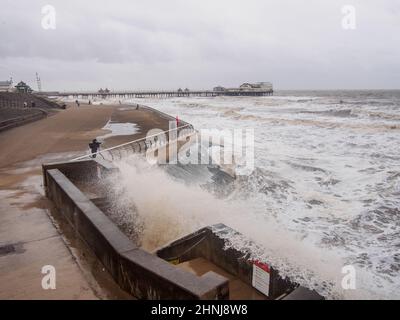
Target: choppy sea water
<point>325,191</point>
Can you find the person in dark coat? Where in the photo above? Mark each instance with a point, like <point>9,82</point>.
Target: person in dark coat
<point>94,146</point>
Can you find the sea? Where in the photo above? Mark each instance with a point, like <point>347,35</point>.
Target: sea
<point>322,202</point>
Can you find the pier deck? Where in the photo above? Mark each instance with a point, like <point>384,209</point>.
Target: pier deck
<point>158,94</point>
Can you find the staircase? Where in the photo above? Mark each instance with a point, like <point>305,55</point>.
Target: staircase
<point>13,112</point>
<point>16,100</point>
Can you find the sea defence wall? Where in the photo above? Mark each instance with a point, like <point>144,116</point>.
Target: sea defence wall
<point>17,100</point>
<point>17,109</point>
<point>148,275</point>
<point>11,118</point>
<point>210,243</point>
<point>140,273</point>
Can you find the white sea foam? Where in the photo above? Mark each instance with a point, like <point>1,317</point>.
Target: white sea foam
<point>325,192</point>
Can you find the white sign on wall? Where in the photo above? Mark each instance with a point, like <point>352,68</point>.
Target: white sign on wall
<point>261,277</point>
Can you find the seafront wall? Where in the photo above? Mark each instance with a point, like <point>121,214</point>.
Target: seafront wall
<point>140,273</point>
<point>209,243</point>
<point>14,110</point>
<point>21,120</point>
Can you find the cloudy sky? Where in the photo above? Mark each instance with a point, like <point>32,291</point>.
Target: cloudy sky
<point>142,44</point>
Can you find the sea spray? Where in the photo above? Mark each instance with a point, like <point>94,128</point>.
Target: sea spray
<point>168,209</point>
<point>327,167</point>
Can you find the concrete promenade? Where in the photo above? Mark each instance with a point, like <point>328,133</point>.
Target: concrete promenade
<point>29,238</point>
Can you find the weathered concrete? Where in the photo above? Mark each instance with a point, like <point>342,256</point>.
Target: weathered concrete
<point>87,170</point>
<point>238,290</point>
<point>29,237</point>
<point>302,293</point>
<point>21,120</point>
<point>210,245</point>
<point>142,274</point>
<point>32,243</point>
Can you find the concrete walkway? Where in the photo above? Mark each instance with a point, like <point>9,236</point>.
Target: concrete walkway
<point>29,238</point>
<point>35,243</point>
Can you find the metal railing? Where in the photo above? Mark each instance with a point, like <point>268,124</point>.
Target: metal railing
<point>150,142</point>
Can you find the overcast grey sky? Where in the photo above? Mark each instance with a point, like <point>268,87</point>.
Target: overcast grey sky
<point>296,44</point>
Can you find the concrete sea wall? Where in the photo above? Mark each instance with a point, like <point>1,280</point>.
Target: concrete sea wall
<point>140,273</point>
<point>21,120</point>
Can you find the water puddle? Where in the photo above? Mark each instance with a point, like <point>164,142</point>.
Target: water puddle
<point>119,129</point>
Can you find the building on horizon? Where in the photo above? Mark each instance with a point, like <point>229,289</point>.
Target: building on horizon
<point>22,87</point>
<point>257,86</point>
<point>103,91</point>
<point>219,89</point>
<point>6,86</point>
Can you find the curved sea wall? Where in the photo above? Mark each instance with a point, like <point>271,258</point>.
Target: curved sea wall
<point>140,273</point>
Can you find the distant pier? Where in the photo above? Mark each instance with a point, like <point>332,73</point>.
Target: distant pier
<point>160,94</point>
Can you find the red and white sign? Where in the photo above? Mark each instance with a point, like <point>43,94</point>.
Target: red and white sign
<point>261,277</point>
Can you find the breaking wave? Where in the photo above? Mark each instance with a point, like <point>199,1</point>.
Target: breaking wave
<point>324,193</point>
<point>167,208</point>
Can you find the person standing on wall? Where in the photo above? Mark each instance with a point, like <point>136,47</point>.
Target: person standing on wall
<point>94,146</point>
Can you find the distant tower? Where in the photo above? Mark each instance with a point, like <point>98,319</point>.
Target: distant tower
<point>39,82</point>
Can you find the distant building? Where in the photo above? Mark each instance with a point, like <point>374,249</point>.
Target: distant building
<point>104,91</point>
<point>246,89</point>
<point>257,85</point>
<point>246,86</point>
<point>219,89</point>
<point>6,86</point>
<point>22,87</point>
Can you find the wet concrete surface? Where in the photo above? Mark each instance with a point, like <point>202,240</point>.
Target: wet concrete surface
<point>32,235</point>
<point>238,290</point>
<point>31,238</point>
<point>39,244</point>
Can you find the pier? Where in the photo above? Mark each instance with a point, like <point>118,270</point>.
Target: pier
<point>159,93</point>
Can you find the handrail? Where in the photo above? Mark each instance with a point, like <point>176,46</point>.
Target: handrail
<point>129,143</point>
